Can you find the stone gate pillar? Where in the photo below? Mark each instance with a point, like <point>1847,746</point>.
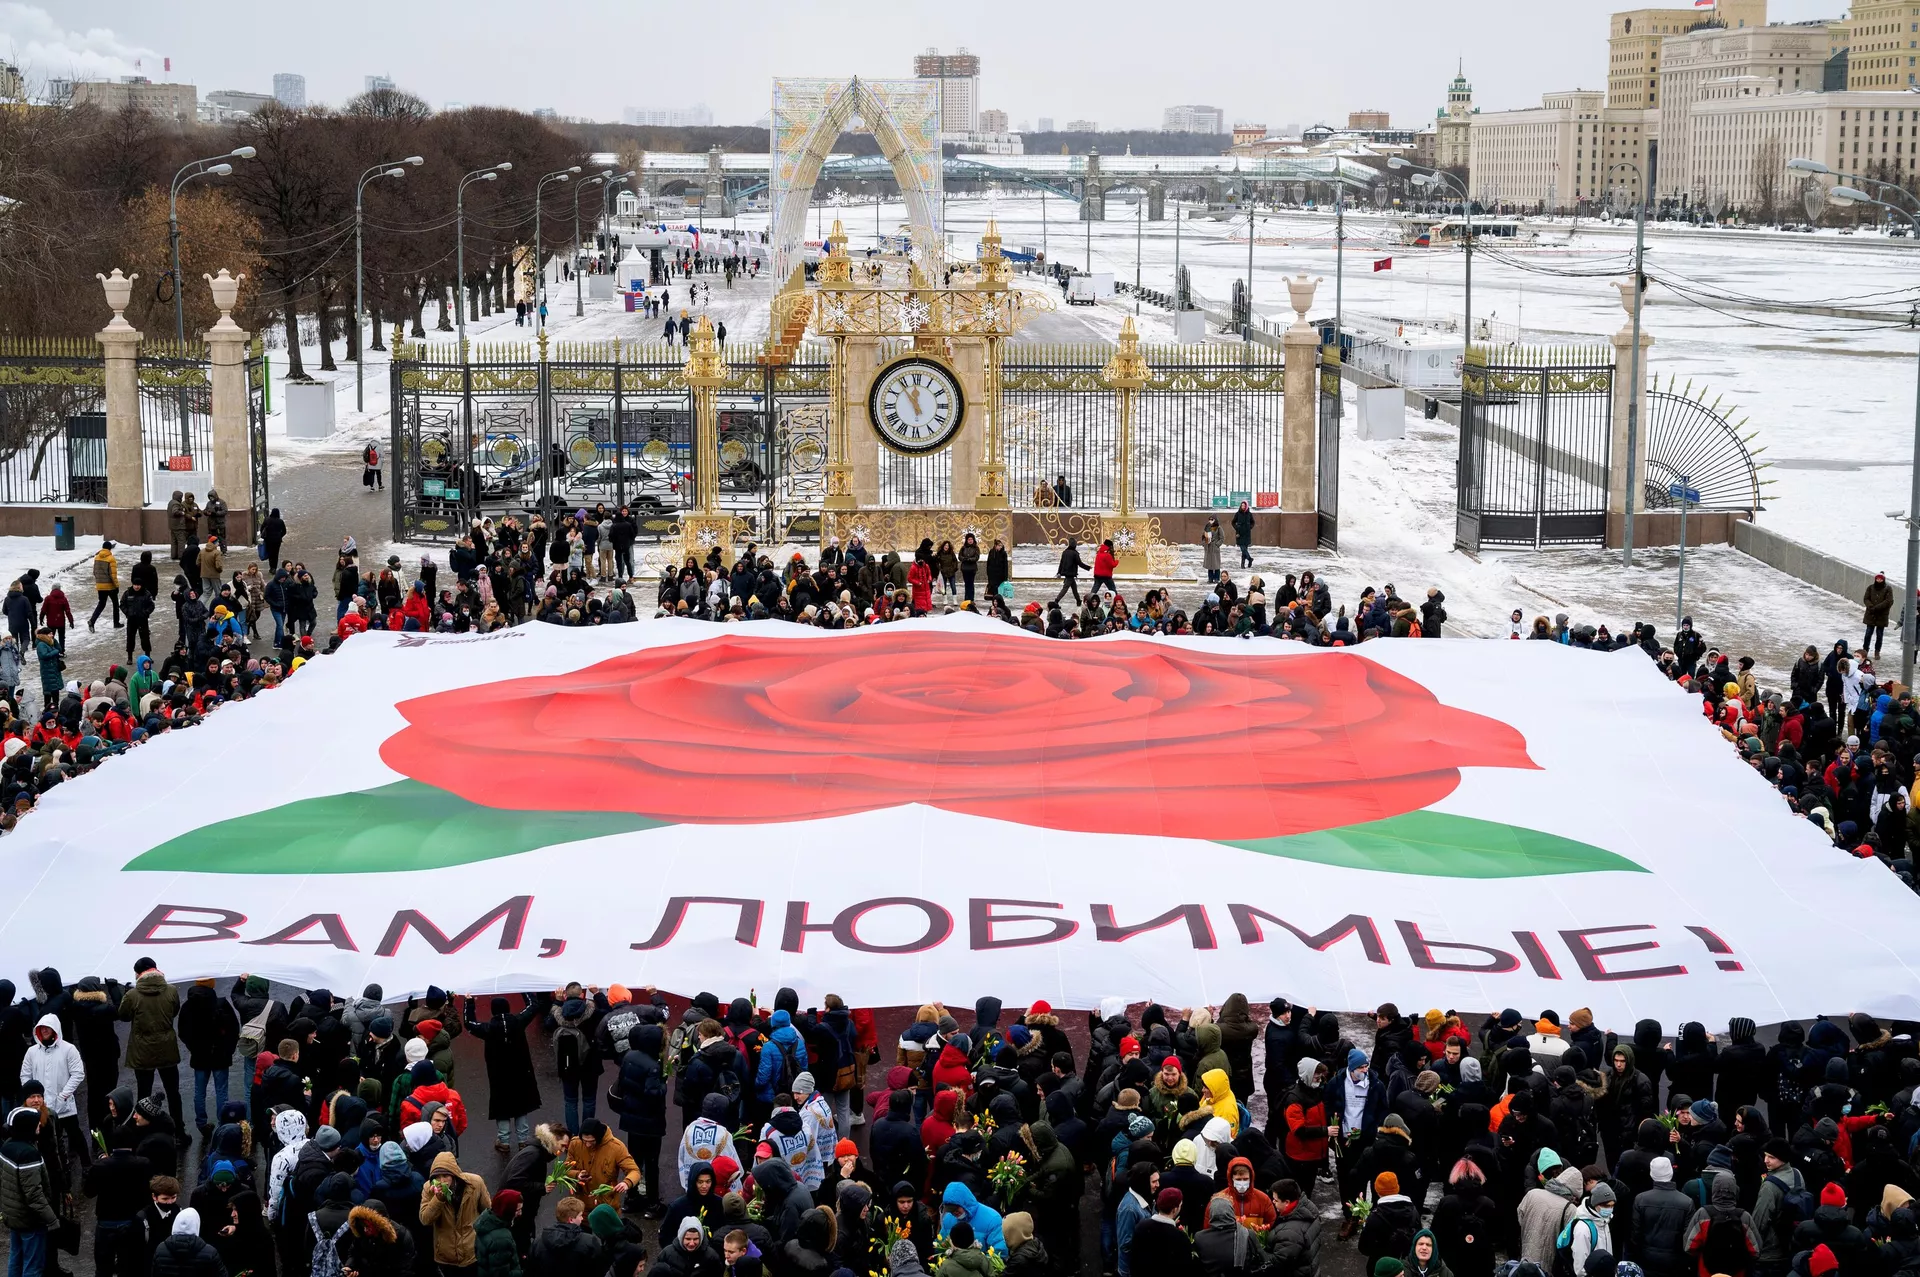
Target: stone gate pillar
<point>1156,202</point>
<point>1300,439</point>
<point>126,471</point>
<point>1625,391</point>
<point>227,377</point>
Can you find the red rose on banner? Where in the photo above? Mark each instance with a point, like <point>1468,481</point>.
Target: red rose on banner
<point>1113,737</point>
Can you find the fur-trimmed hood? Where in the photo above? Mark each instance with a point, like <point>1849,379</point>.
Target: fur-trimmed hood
<point>368,1222</point>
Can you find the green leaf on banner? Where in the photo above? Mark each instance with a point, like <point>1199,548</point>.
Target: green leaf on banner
<point>1435,844</point>
<point>393,829</point>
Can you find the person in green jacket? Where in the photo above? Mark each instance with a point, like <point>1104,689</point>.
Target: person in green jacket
<point>495,1253</point>
<point>152,1006</point>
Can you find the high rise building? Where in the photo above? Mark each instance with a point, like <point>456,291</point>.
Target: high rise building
<point>1045,124</point>
<point>992,121</point>
<point>959,77</point>
<point>1368,120</point>
<point>377,83</point>
<point>1193,119</point>
<point>1779,59</point>
<point>1883,44</point>
<point>1635,36</point>
<point>289,89</point>
<point>13,87</point>
<point>1083,126</point>
<point>1452,146</point>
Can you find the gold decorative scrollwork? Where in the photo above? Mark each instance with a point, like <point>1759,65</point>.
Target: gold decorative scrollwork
<point>903,530</point>
<point>52,374</point>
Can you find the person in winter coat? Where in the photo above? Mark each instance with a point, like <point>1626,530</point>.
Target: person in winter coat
<point>1720,1236</point>
<point>894,1142</point>
<point>783,1058</point>
<point>1591,1228</point>
<point>375,1245</point>
<point>211,1032</point>
<point>496,1252</point>
<point>1772,1222</point>
<point>1544,1212</point>
<point>598,1160</point>
<point>1295,1239</point>
<point>526,1174</point>
<point>1878,605</point>
<point>29,1199</point>
<point>567,1246</point>
<point>1391,1224</point>
<point>958,1203</point>
<point>1305,1118</point>
<point>184,1254</point>
<point>55,1063</point>
<point>1467,1221</point>
<point>450,1203</point>
<point>1211,539</point>
<point>785,1201</point>
<point>1243,534</point>
<point>151,1007</point>
<point>1657,1238</point>
<point>639,1096</point>
<point>512,1090</point>
<point>1069,571</point>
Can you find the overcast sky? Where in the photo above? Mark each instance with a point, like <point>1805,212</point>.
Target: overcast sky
<point>1117,62</point>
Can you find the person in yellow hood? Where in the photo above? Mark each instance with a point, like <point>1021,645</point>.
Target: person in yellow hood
<point>1220,1096</point>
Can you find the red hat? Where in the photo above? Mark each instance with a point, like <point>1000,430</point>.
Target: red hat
<point>1128,1045</point>
<point>846,1148</point>
<point>1833,1195</point>
<point>1168,1201</point>
<point>1040,1008</point>
<point>505,1202</point>
<point>429,1029</point>
<point>725,1169</point>
<point>1823,1261</point>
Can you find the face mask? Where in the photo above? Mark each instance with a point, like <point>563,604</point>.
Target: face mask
<point>1603,1212</point>
<point>1242,1185</point>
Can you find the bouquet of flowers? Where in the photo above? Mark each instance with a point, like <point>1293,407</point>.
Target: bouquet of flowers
<point>1008,1176</point>
<point>560,1179</point>
<point>1669,1120</point>
<point>897,1231</point>
<point>1358,1209</point>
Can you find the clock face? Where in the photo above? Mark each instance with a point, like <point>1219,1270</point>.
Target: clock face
<point>915,405</point>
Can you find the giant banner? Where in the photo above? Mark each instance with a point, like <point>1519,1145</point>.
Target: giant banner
<point>951,807</point>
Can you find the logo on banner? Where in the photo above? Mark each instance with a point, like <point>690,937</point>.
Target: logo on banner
<point>1327,757</point>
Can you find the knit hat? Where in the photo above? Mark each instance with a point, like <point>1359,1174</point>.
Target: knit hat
<point>846,1148</point>
<point>1580,1017</point>
<point>1779,1149</point>
<point>1040,1008</point>
<point>1356,1059</point>
<point>1386,1184</point>
<point>803,1086</point>
<point>1822,1261</point>
<point>415,1050</point>
<point>1388,1266</point>
<point>1705,1111</point>
<point>381,1026</point>
<point>1427,1083</point>
<point>505,1202</point>
<point>1166,1203</point>
<point>1660,1170</point>
<point>1602,1195</point>
<point>1394,1122</point>
<point>1435,1020</point>
<point>327,1139</point>
<point>1720,1155</point>
<point>604,1222</point>
<point>1833,1195</point>
<point>1129,1045</point>
<point>1184,1153</point>
<point>424,1073</point>
<point>148,1107</point>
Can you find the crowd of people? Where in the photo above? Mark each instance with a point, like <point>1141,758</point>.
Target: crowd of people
<point>1036,1143</point>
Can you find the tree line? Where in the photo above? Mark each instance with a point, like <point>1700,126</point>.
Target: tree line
<point>92,193</point>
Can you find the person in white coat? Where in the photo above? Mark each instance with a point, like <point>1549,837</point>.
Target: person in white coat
<point>54,1063</point>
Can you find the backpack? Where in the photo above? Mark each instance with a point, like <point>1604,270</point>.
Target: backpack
<point>1726,1249</point>
<point>1795,1209</point>
<point>253,1034</point>
<point>371,456</point>
<point>326,1250</point>
<point>786,1066</point>
<point>569,1049</point>
<point>1563,1244</point>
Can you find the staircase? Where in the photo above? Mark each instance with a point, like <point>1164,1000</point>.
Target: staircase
<point>799,311</point>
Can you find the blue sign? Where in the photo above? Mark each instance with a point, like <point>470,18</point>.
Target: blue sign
<point>1681,492</point>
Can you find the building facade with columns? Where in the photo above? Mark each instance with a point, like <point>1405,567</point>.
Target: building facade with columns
<point>1742,137</point>
<point>1635,38</point>
<point>1781,59</point>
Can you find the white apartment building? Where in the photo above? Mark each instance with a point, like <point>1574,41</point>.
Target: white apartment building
<point>1550,154</point>
<point>1193,118</point>
<point>1742,138</point>
<point>1786,58</point>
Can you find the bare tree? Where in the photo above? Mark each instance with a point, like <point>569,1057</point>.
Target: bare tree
<point>1769,171</point>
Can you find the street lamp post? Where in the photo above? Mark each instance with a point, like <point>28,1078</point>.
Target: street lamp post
<point>390,169</point>
<point>1634,388</point>
<point>1438,181</point>
<point>212,166</point>
<point>1137,225</point>
<point>1246,330</point>
<point>539,262</point>
<point>606,214</point>
<point>1853,195</point>
<point>460,242</point>
<point>579,306</point>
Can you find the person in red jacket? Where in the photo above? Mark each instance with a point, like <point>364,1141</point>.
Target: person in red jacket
<point>937,1129</point>
<point>352,622</point>
<point>57,614</point>
<point>428,1089</point>
<point>1104,564</point>
<point>1305,1146</point>
<point>920,577</point>
<point>951,1068</point>
<point>417,609</point>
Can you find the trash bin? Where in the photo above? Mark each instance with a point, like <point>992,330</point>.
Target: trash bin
<point>63,532</point>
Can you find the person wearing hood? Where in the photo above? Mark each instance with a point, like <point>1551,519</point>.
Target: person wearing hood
<point>1225,1245</point>
<point>1251,1206</point>
<point>1394,1149</point>
<point>118,1183</point>
<point>793,1140</point>
<point>706,1137</point>
<point>783,1057</point>
<point>1423,1257</point>
<point>913,1219</point>
<point>958,1203</point>
<point>1304,1118</point>
<point>450,1202</point>
<point>29,1199</point>
<point>96,1031</point>
<point>184,1254</point>
<point>785,1201</point>
<point>1720,1236</point>
<point>1742,1067</point>
<point>1195,1188</point>
<point>512,1089</point>
<point>692,1253</point>
<point>1628,1101</point>
<point>894,1142</point>
<point>1391,1224</point>
<point>1220,1101</point>
<point>151,1006</point>
<point>1784,1080</point>
<point>701,1198</point>
<point>1544,1211</point>
<point>716,1067</point>
<point>986,1034</point>
<point>55,1064</point>
<point>211,1031</point>
<point>395,1183</point>
<point>376,1245</point>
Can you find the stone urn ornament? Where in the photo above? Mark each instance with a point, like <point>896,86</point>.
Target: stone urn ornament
<point>226,291</point>
<point>1300,290</point>
<point>119,291</point>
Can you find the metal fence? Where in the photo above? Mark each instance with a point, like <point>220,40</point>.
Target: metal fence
<point>1327,455</point>
<point>53,421</point>
<point>1536,434</point>
<point>176,415</point>
<point>509,431</point>
<point>1207,425</point>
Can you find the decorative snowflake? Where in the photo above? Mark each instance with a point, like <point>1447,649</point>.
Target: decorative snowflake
<point>833,313</point>
<point>1123,539</point>
<point>707,536</point>
<point>915,313</point>
<point>861,531</point>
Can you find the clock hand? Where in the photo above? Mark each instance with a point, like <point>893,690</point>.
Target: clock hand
<point>913,397</point>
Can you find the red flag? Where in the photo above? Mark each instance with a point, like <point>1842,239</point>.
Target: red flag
<point>1385,263</point>
<point>169,65</point>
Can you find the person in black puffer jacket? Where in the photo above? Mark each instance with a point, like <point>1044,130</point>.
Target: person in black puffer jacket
<point>1743,1066</point>
<point>639,1096</point>
<point>894,1142</point>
